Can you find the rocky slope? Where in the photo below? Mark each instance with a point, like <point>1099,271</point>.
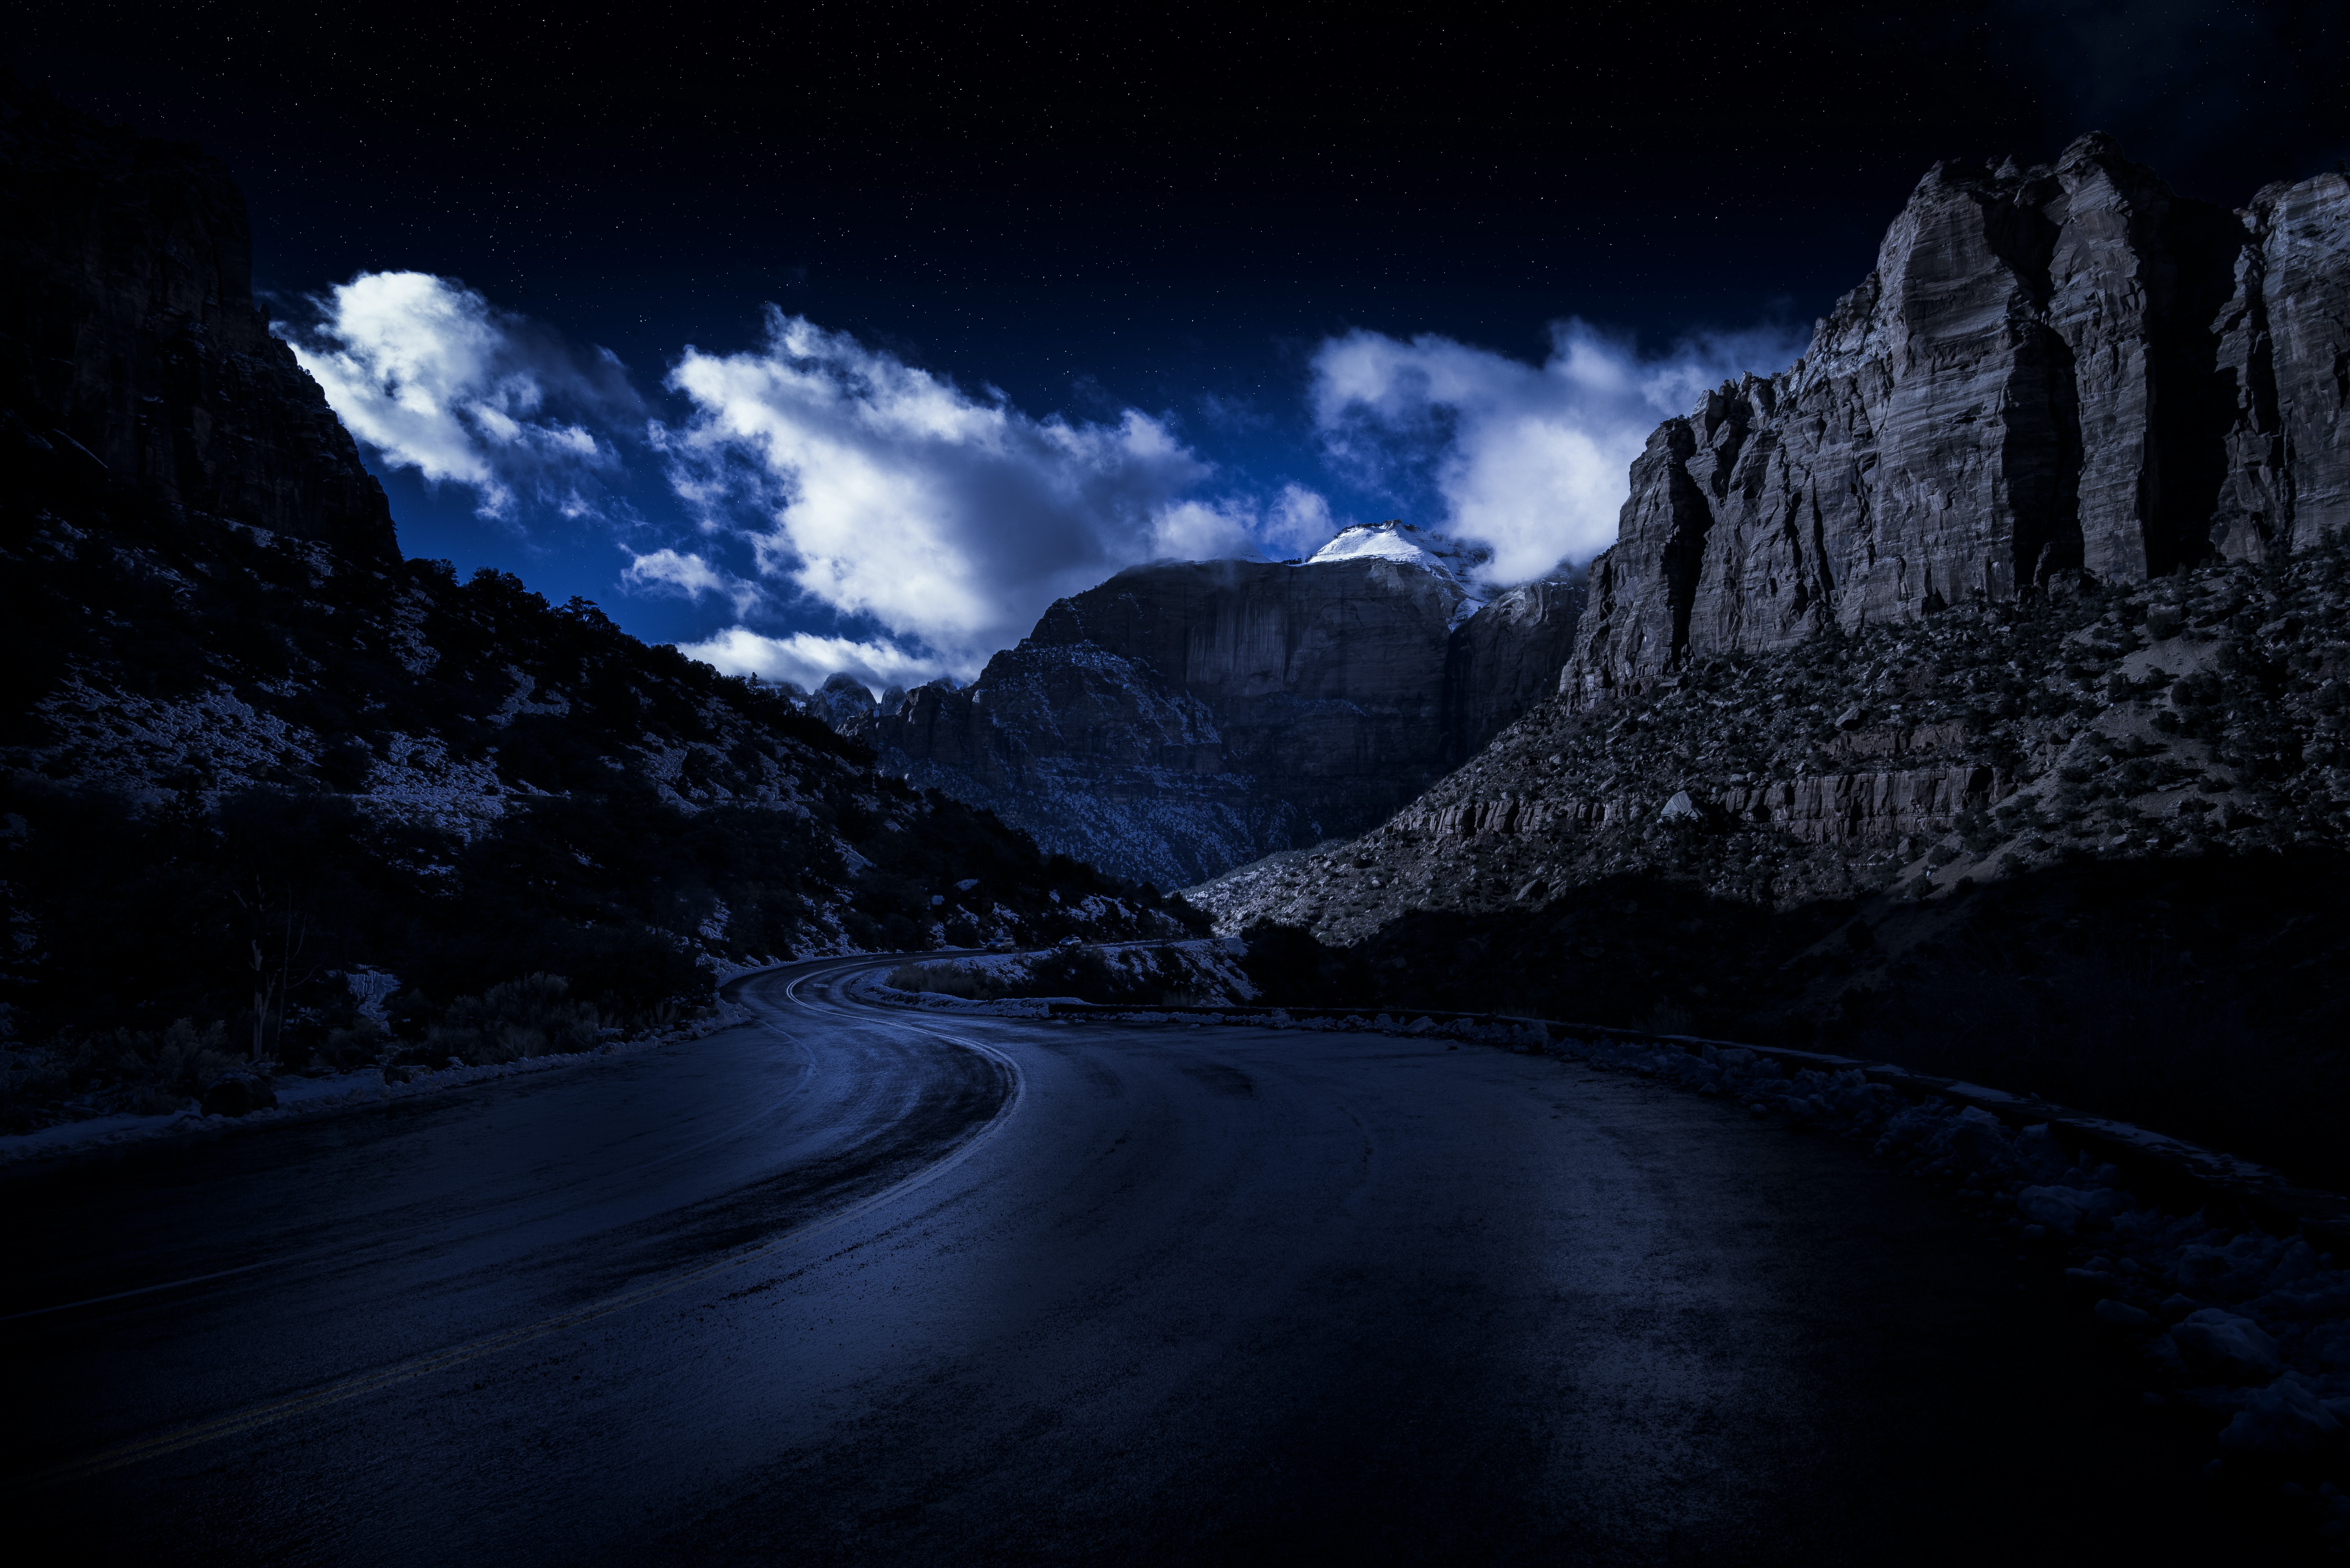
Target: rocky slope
<point>251,753</point>
<point>129,340</point>
<point>2097,847</point>
<point>2062,369</point>
<point>1976,694</point>
<point>2207,713</point>
<point>1187,716</point>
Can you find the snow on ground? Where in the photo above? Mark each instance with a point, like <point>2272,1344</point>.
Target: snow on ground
<point>123,741</point>
<point>1211,968</point>
<point>302,1096</point>
<point>416,778</point>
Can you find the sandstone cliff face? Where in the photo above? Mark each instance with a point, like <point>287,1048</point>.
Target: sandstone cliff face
<point>1504,659</point>
<point>2204,716</point>
<point>1185,717</point>
<point>2066,368</point>
<point>129,336</point>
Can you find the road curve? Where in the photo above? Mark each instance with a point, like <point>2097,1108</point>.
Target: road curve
<point>845,1285</point>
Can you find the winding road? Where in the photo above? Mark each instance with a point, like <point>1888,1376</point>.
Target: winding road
<point>856,1285</point>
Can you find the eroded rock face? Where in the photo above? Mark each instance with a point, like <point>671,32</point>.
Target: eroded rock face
<point>1185,717</point>
<point>1504,659</point>
<point>2068,368</point>
<point>129,336</point>
<point>2205,715</point>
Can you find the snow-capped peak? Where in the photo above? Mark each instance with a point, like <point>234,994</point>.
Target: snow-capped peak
<point>1395,541</point>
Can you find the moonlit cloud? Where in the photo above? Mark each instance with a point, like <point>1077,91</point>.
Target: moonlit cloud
<point>433,376</point>
<point>850,512</point>
<point>887,493</point>
<point>1295,522</point>
<point>806,660</point>
<point>1531,461</point>
<point>691,577</point>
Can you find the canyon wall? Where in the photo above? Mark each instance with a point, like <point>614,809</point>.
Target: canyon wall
<point>1185,717</point>
<point>2061,371</point>
<point>129,339</point>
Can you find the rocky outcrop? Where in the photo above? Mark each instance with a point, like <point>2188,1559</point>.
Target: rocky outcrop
<point>2068,368</point>
<point>2284,350</point>
<point>1505,657</point>
<point>1850,808</point>
<point>1188,716</point>
<point>2204,716</point>
<point>129,338</point>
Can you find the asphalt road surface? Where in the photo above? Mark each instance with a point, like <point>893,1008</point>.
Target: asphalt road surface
<point>854,1285</point>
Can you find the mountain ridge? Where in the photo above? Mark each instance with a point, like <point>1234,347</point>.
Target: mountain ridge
<point>1817,772</point>
<point>2061,370</point>
<point>1183,717</point>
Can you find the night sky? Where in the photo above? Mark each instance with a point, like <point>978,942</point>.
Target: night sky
<point>1320,262</point>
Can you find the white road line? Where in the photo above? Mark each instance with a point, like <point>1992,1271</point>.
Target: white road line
<point>220,1427</point>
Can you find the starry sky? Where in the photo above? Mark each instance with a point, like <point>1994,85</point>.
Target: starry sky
<point>852,335</point>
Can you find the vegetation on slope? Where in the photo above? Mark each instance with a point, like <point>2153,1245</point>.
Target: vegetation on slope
<point>252,768</point>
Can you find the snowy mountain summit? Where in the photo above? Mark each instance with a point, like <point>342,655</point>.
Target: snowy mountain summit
<point>1185,717</point>
<point>1398,541</point>
<point>1440,555</point>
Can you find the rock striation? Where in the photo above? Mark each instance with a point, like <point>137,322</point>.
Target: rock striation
<point>2062,369</point>
<point>2207,715</point>
<point>129,337</point>
<point>1185,717</point>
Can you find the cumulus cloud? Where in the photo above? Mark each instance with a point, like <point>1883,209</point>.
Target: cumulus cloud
<point>806,659</point>
<point>433,376</point>
<point>690,574</point>
<point>1296,522</point>
<point>951,521</point>
<point>1531,461</point>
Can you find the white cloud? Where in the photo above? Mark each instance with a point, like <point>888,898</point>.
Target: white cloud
<point>805,659</point>
<point>690,576</point>
<point>1205,531</point>
<point>1298,522</point>
<point>433,376</point>
<point>949,520</point>
<point>1530,461</point>
<point>1294,523</point>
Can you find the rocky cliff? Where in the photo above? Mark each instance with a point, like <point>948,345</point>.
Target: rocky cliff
<point>1187,716</point>
<point>2097,845</point>
<point>2207,713</point>
<point>1975,695</point>
<point>129,337</point>
<point>2061,369</point>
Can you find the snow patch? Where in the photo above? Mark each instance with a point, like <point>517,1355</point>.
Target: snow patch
<point>1445,556</point>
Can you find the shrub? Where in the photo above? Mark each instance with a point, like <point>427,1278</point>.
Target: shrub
<point>952,980</point>
<point>532,1016</point>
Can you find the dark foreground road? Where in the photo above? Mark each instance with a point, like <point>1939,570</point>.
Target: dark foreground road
<point>853,1286</point>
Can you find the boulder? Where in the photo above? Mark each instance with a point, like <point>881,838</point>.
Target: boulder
<point>237,1097</point>
<point>2222,1342</point>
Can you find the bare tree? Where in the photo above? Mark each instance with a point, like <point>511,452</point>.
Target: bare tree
<point>270,987</point>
